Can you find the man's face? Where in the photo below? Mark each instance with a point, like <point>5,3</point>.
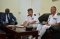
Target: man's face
<point>7,10</point>
<point>30,13</point>
<point>53,10</point>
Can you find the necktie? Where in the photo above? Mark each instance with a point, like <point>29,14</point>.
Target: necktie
<point>7,18</point>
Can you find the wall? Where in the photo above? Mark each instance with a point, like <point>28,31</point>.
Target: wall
<point>25,5</point>
<point>14,6</point>
<point>46,4</point>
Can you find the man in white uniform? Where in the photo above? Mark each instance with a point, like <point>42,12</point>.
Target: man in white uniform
<point>30,20</point>
<point>53,20</point>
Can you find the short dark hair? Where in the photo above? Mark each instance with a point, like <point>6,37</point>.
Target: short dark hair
<point>7,10</point>
<point>30,9</point>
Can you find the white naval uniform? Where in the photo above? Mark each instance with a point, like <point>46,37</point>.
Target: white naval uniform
<point>51,20</point>
<point>30,19</point>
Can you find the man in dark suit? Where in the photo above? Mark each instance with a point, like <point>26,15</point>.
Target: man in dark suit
<point>8,18</point>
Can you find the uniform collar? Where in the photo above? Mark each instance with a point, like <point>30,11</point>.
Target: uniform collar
<point>54,15</point>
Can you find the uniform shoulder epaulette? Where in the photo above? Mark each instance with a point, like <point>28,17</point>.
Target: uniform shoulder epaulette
<point>58,14</point>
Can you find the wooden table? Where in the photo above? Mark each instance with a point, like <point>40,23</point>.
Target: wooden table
<point>18,34</point>
<point>2,35</point>
<point>27,33</point>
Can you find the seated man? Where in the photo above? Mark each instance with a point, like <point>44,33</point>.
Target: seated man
<point>53,20</point>
<point>30,20</point>
<point>8,18</point>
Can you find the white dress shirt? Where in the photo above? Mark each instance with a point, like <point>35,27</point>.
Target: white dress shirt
<point>7,16</point>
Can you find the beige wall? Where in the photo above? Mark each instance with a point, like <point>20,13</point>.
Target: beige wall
<point>14,6</point>
<point>46,4</point>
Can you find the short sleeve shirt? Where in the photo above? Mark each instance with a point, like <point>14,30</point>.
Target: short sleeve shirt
<point>54,19</point>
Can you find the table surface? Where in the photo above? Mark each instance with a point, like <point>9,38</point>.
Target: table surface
<point>21,31</point>
<point>18,28</point>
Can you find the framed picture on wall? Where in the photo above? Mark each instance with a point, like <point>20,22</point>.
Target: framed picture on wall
<point>54,0</point>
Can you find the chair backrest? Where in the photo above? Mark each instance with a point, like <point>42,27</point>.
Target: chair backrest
<point>43,17</point>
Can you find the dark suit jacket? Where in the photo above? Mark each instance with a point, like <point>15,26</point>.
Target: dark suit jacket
<point>12,19</point>
<point>1,13</point>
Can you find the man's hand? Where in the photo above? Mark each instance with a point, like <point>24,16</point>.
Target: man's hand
<point>57,24</point>
<point>25,23</point>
